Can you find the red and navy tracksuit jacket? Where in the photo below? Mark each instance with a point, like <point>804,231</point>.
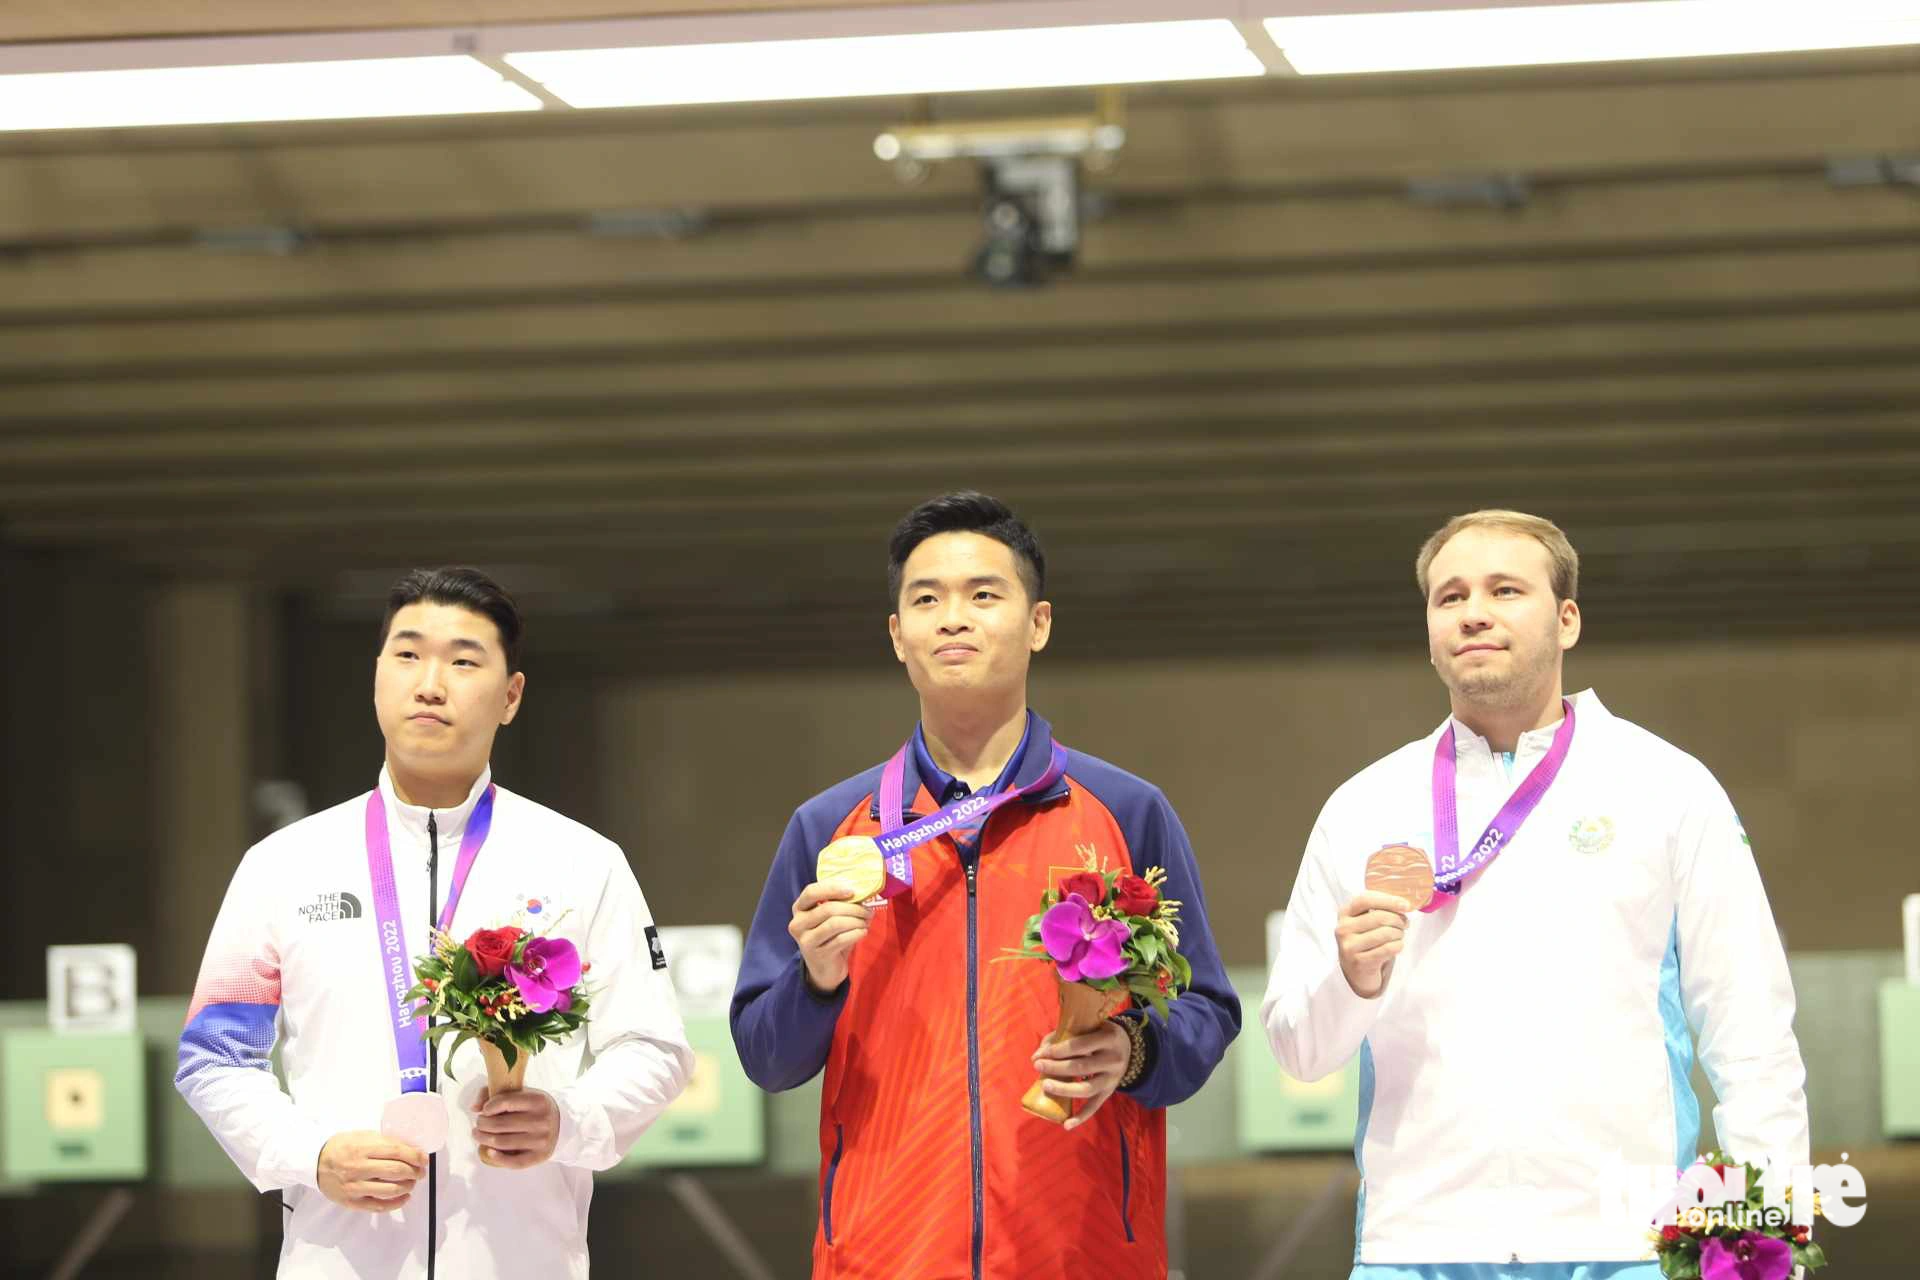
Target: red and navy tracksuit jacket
<point>929,1168</point>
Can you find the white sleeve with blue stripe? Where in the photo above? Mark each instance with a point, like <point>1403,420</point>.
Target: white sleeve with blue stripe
<point>1736,986</point>
<point>225,1071</point>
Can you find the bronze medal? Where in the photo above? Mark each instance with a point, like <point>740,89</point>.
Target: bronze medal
<point>1402,871</point>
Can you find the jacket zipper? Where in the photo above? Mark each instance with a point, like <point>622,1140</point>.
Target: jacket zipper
<point>972,865</point>
<point>433,1051</point>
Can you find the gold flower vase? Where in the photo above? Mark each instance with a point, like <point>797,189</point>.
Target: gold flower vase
<point>502,1079</point>
<point>1082,1009</point>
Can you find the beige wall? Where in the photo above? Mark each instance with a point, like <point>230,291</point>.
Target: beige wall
<point>1816,741</point>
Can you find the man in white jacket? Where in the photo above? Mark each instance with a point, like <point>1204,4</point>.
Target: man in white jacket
<point>297,952</point>
<point>1529,1032</point>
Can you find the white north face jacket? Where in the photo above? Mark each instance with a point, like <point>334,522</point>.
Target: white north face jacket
<point>1537,1030</point>
<point>293,955</point>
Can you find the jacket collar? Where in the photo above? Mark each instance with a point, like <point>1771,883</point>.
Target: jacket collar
<point>409,821</point>
<point>1534,742</point>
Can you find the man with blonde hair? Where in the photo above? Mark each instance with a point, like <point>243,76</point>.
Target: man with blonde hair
<point>1518,923</point>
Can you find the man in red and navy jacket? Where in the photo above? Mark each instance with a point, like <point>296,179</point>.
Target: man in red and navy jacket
<point>929,1167</point>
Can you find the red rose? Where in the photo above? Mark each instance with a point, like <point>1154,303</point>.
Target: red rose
<point>1669,1233</point>
<point>1134,896</point>
<point>1088,884</point>
<point>492,948</point>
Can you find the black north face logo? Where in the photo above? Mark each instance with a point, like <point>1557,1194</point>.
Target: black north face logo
<point>653,945</point>
<point>331,906</point>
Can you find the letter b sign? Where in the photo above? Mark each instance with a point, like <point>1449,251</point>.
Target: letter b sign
<point>90,988</point>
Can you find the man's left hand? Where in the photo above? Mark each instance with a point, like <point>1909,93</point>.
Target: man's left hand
<point>1086,1067</point>
<point>519,1130</point>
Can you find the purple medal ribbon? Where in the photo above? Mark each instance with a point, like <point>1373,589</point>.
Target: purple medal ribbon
<point>1452,871</point>
<point>897,841</point>
<point>395,969</point>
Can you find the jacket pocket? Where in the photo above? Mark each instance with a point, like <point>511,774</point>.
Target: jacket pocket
<point>833,1173</point>
<point>1126,1186</point>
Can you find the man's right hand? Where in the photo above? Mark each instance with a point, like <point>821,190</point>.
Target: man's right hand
<point>827,924</point>
<point>369,1171</point>
<point>1370,933</point>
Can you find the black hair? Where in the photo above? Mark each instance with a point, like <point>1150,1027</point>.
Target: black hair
<point>463,588</point>
<point>966,511</point>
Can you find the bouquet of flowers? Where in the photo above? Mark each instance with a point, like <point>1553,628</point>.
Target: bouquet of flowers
<point>1112,939</point>
<point>511,990</point>
<point>1741,1239</point>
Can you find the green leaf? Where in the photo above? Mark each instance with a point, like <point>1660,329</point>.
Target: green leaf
<point>1810,1255</point>
<point>466,974</point>
<point>466,1034</point>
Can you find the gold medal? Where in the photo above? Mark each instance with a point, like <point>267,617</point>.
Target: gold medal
<point>854,861</point>
<point>1402,871</point>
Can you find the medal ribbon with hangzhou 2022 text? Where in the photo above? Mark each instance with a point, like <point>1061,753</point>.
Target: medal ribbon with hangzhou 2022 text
<point>1453,870</point>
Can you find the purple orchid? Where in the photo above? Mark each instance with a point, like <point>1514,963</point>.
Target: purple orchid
<point>1749,1256</point>
<point>1081,946</point>
<point>545,974</point>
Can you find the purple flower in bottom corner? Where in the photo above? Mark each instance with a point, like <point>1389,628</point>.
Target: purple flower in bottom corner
<point>546,973</point>
<point>1749,1256</point>
<point>1081,946</point>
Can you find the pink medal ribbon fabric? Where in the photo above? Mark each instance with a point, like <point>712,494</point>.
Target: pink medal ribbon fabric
<point>395,968</point>
<point>898,841</point>
<point>1452,871</point>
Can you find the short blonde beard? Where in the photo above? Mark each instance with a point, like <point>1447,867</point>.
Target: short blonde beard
<point>1513,690</point>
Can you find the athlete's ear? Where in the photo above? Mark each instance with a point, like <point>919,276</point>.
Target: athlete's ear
<point>1042,626</point>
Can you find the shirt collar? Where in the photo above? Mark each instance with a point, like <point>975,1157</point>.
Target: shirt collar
<point>940,784</point>
<point>1030,760</point>
<point>410,820</point>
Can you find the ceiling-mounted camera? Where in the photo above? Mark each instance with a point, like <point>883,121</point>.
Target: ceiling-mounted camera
<point>1030,177</point>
